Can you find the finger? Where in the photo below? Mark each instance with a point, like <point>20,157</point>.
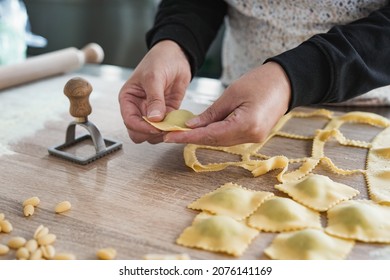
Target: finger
<point>155,102</point>
<point>218,111</point>
<point>222,133</point>
<point>156,140</point>
<point>202,136</point>
<point>235,129</point>
<point>138,137</point>
<point>132,117</point>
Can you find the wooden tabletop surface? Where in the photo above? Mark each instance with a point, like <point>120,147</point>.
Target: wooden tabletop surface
<point>135,199</point>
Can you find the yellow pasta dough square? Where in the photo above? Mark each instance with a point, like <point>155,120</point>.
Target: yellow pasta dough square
<point>317,191</point>
<point>232,200</point>
<point>363,220</point>
<point>217,233</point>
<point>308,244</point>
<point>278,214</point>
<point>173,121</point>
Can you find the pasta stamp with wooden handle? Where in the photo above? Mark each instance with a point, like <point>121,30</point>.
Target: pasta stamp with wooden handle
<point>78,91</point>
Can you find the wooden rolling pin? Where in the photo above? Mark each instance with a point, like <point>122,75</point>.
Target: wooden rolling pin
<point>49,64</point>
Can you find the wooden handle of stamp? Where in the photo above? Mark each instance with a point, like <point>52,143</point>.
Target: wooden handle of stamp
<point>49,64</point>
<point>78,91</point>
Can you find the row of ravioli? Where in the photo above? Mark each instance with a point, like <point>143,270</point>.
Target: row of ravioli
<point>232,216</point>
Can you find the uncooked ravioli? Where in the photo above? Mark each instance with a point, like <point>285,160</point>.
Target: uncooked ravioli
<point>218,233</point>
<point>278,214</point>
<point>308,244</point>
<point>173,121</point>
<point>362,220</point>
<point>317,191</point>
<point>232,200</point>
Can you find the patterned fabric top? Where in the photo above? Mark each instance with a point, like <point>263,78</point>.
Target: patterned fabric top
<point>259,29</point>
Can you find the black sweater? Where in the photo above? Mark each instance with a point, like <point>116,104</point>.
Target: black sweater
<point>345,62</point>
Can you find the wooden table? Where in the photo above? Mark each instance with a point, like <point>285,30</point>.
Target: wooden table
<point>135,199</point>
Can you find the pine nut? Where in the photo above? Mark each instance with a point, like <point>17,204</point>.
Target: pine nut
<point>6,226</point>
<point>62,207</point>
<point>4,249</point>
<point>22,253</point>
<point>106,253</point>
<point>37,231</point>
<point>64,256</point>
<point>36,255</point>
<point>31,245</point>
<point>16,242</point>
<point>34,201</point>
<point>28,210</point>
<point>48,252</point>
<point>47,239</point>
<point>41,232</point>
<point>2,216</point>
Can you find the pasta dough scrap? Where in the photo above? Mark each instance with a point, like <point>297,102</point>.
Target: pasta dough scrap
<point>317,191</point>
<point>232,200</point>
<point>218,233</point>
<point>173,121</point>
<point>252,159</point>
<point>308,244</point>
<point>363,220</point>
<point>259,164</point>
<point>278,214</point>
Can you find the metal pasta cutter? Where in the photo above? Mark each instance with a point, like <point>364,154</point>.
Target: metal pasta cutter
<point>78,91</point>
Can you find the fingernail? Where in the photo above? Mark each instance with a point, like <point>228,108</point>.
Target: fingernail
<point>154,113</point>
<point>193,122</point>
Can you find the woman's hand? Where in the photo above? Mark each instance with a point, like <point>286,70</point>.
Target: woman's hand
<point>156,86</point>
<point>245,113</point>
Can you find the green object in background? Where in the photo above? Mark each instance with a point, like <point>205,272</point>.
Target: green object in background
<point>13,21</point>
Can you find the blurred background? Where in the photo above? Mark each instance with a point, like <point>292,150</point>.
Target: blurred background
<point>118,26</point>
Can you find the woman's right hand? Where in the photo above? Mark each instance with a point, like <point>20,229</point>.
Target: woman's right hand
<point>156,87</point>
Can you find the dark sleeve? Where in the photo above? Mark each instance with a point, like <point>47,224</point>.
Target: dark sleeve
<point>191,24</point>
<point>345,62</point>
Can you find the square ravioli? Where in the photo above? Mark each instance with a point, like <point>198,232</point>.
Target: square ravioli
<point>231,200</point>
<point>378,168</point>
<point>363,220</point>
<point>308,244</point>
<point>317,191</point>
<point>278,214</point>
<point>217,233</point>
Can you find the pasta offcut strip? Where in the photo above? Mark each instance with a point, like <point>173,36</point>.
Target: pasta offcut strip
<point>377,170</point>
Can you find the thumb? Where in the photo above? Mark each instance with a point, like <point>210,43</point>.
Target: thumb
<point>155,102</point>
